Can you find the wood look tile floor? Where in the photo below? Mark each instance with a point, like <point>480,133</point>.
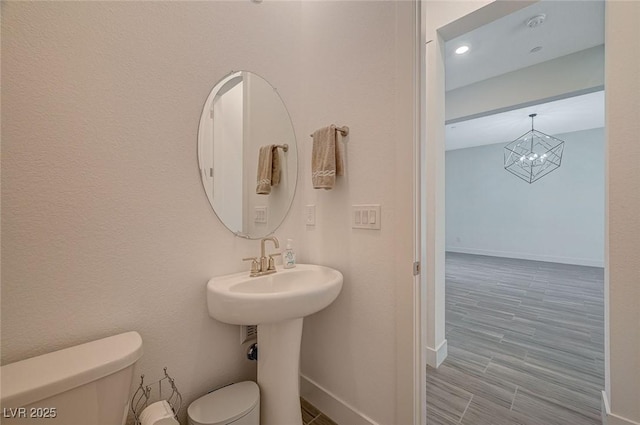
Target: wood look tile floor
<point>525,342</point>
<point>312,416</point>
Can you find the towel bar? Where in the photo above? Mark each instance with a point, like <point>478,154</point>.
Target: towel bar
<point>284,147</point>
<point>344,130</point>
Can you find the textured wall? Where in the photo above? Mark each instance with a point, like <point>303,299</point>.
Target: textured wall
<point>622,280</point>
<point>559,218</point>
<point>106,227</point>
<point>363,67</point>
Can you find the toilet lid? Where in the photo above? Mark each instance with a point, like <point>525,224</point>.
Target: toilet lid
<point>225,405</point>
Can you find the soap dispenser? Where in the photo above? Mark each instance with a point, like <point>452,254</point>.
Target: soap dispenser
<point>289,255</point>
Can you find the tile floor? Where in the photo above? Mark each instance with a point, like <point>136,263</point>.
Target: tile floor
<point>313,416</point>
<point>525,342</point>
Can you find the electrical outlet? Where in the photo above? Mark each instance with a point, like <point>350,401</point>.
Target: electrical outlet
<point>310,215</point>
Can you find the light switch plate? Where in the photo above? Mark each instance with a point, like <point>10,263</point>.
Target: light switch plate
<point>310,215</point>
<point>260,215</point>
<point>365,216</point>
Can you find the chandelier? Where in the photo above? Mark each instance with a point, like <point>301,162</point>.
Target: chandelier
<point>533,155</point>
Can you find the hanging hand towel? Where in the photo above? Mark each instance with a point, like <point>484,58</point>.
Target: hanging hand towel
<point>275,166</point>
<point>268,169</point>
<point>327,157</point>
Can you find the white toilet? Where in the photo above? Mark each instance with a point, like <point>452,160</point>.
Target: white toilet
<point>85,384</point>
<point>237,404</point>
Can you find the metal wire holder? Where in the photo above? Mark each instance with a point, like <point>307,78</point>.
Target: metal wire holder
<point>140,399</point>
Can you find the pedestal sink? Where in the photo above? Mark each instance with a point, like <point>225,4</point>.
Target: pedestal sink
<point>277,303</point>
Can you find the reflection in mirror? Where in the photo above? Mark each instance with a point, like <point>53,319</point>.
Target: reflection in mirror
<point>242,114</point>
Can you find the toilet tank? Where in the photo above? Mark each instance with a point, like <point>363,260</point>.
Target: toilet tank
<point>88,384</point>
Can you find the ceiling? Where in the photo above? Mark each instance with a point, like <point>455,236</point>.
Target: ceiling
<point>504,46</point>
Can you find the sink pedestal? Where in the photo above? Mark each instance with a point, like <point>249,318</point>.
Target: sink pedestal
<point>278,372</point>
<point>277,303</point>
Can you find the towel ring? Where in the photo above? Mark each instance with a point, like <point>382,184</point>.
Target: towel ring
<point>343,130</point>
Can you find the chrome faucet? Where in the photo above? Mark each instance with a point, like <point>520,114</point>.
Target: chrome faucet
<point>266,264</point>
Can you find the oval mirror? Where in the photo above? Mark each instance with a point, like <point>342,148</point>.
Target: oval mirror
<point>247,155</point>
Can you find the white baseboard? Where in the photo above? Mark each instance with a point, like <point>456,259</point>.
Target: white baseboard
<point>435,356</point>
<point>528,256</point>
<point>332,405</point>
<point>609,418</point>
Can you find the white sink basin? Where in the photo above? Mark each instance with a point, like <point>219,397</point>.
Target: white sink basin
<point>287,294</point>
<point>277,303</point>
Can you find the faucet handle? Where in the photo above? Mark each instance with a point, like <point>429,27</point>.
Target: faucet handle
<point>255,266</point>
<point>272,261</point>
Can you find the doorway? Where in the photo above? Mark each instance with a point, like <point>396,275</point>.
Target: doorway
<point>459,400</point>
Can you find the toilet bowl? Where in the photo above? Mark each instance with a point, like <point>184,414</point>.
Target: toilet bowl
<point>84,384</point>
<point>237,404</point>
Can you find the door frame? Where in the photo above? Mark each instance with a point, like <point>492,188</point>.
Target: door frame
<point>438,22</point>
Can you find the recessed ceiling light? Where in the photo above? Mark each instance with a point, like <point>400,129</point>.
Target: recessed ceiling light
<point>462,50</point>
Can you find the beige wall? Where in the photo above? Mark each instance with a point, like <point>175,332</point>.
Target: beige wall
<point>622,280</point>
<point>364,81</point>
<point>107,227</point>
